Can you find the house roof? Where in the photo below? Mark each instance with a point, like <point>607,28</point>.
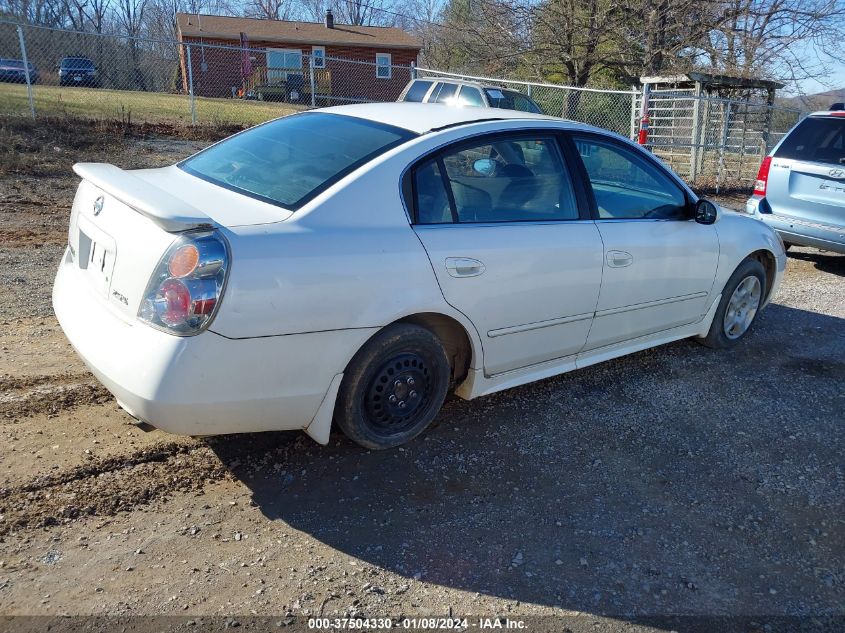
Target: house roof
<point>313,33</point>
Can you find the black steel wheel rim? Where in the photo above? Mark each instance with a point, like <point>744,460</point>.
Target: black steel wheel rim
<point>398,395</point>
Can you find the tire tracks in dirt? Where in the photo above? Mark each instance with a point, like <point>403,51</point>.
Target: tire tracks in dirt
<point>22,397</point>
<point>110,485</point>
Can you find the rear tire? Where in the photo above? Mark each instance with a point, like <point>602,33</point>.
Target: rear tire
<point>394,387</point>
<point>739,306</point>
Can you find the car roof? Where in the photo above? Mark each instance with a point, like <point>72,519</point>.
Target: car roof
<point>467,82</point>
<point>425,117</point>
<point>836,113</point>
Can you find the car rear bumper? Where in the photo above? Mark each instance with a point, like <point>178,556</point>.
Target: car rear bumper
<point>800,232</point>
<point>205,384</point>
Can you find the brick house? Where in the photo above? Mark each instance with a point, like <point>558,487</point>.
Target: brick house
<point>233,56</point>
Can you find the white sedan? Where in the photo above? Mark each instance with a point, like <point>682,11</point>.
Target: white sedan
<point>352,265</point>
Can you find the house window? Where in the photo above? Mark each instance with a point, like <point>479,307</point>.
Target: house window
<point>319,54</point>
<point>282,62</point>
<point>383,66</point>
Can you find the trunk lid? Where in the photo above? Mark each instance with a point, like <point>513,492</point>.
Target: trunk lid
<point>122,222</point>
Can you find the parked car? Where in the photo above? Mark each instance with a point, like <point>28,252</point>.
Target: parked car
<point>800,188</point>
<point>12,70</point>
<point>467,94</point>
<point>353,264</point>
<point>78,71</point>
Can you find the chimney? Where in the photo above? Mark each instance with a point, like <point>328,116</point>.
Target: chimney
<point>329,19</point>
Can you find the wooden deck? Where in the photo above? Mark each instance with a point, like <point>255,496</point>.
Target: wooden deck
<point>289,84</point>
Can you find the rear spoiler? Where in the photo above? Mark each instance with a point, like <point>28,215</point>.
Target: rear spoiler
<point>169,212</point>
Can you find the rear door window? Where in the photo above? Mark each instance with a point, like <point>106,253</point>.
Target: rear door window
<point>816,139</point>
<point>417,91</point>
<point>510,100</point>
<point>471,97</point>
<point>506,179</point>
<point>443,92</point>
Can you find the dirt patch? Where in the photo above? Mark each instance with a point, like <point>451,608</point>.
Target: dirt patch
<point>109,486</point>
<point>49,146</point>
<point>25,397</point>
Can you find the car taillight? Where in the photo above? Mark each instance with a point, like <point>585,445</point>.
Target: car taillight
<point>186,287</point>
<point>762,177</point>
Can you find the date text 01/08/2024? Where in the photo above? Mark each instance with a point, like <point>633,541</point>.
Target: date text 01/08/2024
<point>423,623</point>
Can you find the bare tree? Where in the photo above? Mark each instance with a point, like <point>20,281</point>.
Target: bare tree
<point>570,37</point>
<point>97,12</point>
<point>365,12</point>
<point>774,37</point>
<point>270,9</point>
<point>41,12</point>
<point>76,13</point>
<point>130,16</point>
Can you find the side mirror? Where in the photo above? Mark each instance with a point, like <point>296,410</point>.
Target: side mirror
<point>485,166</point>
<point>706,212</point>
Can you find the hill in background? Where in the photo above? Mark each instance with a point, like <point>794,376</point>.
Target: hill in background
<point>818,101</point>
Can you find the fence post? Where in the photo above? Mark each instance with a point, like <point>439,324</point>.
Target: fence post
<point>26,71</point>
<point>413,70</point>
<point>191,86</point>
<point>642,136</point>
<point>312,66</point>
<point>767,121</point>
<point>726,123</point>
<point>634,94</point>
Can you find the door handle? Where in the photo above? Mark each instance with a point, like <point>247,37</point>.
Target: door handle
<point>464,267</point>
<point>619,259</point>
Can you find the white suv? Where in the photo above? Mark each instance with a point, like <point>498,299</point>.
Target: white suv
<point>800,188</point>
<point>467,93</point>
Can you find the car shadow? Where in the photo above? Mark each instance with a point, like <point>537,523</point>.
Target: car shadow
<point>679,480</point>
<point>823,261</point>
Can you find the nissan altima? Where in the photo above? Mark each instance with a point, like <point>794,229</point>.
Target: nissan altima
<point>352,265</point>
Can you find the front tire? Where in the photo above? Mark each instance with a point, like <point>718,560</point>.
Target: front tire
<point>394,387</point>
<point>741,301</point>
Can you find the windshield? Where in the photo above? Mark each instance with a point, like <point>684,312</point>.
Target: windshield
<point>291,160</point>
<point>77,62</point>
<point>511,100</point>
<point>13,63</point>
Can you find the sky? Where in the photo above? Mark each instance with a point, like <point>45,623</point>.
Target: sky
<point>836,78</point>
<point>832,80</point>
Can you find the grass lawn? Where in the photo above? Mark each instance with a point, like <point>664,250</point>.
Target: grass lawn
<point>141,107</point>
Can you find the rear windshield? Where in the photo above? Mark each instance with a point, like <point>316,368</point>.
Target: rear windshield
<point>77,62</point>
<point>818,139</point>
<point>13,63</point>
<point>511,100</point>
<point>291,160</point>
<point>417,91</point>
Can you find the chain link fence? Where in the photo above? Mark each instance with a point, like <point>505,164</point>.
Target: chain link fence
<point>709,141</point>
<point>713,141</point>
<point>103,76</point>
<point>608,109</point>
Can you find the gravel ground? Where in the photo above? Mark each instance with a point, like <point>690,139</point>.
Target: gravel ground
<point>677,481</point>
